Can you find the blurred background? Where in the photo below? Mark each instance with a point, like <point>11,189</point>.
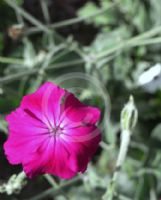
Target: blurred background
<point>103,51</point>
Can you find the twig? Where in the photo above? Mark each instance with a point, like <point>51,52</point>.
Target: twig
<point>112,50</point>
<point>147,41</point>
<point>29,17</point>
<point>11,60</point>
<point>63,64</point>
<point>51,180</point>
<point>44,6</point>
<point>76,20</point>
<point>106,146</point>
<point>151,171</point>
<point>122,197</point>
<point>12,77</point>
<point>52,191</point>
<point>81,19</point>
<point>125,140</point>
<point>128,121</point>
<point>132,42</point>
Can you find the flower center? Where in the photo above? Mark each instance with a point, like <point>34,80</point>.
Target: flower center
<point>56,130</point>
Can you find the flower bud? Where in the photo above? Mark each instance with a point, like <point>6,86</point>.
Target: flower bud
<point>129,115</point>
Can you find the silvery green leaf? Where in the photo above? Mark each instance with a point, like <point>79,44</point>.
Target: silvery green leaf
<point>155,11</point>
<point>156,132</point>
<point>3,125</point>
<point>29,54</point>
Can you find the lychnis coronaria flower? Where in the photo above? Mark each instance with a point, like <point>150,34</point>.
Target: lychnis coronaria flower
<point>52,132</point>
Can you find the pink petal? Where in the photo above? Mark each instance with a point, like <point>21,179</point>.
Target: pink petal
<point>52,132</point>
<point>60,165</point>
<point>82,143</point>
<point>76,113</point>
<point>44,103</point>
<point>52,158</point>
<point>26,134</point>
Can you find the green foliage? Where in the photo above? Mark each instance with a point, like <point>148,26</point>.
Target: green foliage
<point>102,73</point>
<point>1,42</point>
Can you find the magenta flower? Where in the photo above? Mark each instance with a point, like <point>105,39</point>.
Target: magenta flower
<point>52,132</point>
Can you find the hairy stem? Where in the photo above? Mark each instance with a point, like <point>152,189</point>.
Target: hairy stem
<point>76,20</point>
<point>52,191</point>
<point>125,140</point>
<point>7,60</point>
<point>29,17</point>
<point>12,77</point>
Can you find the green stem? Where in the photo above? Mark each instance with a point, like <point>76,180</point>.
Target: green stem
<point>135,41</point>
<point>149,171</point>
<point>121,197</point>
<point>154,31</point>
<point>45,65</point>
<point>65,64</point>
<point>147,41</point>
<point>33,20</point>
<point>81,19</point>
<point>76,20</point>
<point>125,140</point>
<point>29,17</point>
<point>44,7</point>
<point>11,61</point>
<point>51,180</point>
<point>106,146</point>
<point>61,54</point>
<point>12,77</point>
<point>52,191</point>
